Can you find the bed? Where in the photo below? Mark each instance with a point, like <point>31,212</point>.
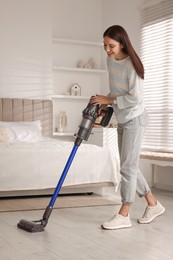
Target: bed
<point>31,160</point>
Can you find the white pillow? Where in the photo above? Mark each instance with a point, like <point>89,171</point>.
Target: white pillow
<point>21,131</point>
<point>36,123</point>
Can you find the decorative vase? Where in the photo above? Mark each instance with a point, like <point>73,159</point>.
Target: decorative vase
<point>62,121</point>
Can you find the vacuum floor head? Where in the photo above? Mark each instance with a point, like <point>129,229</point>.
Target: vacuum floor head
<point>30,226</point>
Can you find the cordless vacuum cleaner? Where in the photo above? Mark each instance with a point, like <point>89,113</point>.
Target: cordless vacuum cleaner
<point>90,114</point>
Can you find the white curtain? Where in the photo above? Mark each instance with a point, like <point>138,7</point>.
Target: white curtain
<point>157,57</point>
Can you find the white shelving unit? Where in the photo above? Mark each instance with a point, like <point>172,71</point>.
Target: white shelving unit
<point>82,70</point>
<point>77,42</point>
<point>70,97</point>
<point>66,53</point>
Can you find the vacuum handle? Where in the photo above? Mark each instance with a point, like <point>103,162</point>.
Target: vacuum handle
<point>107,116</point>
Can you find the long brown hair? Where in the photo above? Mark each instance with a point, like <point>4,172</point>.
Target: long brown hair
<point>118,33</point>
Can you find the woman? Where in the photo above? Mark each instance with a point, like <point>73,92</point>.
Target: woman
<point>126,74</point>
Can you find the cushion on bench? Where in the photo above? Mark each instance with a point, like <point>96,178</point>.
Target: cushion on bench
<point>156,156</point>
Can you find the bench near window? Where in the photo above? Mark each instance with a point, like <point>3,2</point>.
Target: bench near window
<point>157,158</point>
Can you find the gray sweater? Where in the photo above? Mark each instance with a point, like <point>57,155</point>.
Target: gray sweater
<point>126,85</point>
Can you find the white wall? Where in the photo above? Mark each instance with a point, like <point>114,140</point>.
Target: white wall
<point>25,47</point>
<point>126,14</point>
<point>78,19</point>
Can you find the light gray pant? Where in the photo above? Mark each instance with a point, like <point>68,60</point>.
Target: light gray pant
<point>130,137</point>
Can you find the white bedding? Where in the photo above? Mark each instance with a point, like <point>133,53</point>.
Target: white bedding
<point>39,165</point>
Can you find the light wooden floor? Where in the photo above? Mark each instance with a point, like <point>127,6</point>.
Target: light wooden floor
<point>74,234</point>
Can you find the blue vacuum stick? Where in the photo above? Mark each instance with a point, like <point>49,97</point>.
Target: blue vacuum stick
<point>90,113</point>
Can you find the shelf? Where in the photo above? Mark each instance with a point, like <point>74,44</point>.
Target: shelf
<point>70,97</point>
<point>80,42</point>
<point>66,69</point>
<point>63,134</point>
<point>78,69</point>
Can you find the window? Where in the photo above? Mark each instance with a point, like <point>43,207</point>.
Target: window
<point>157,57</point>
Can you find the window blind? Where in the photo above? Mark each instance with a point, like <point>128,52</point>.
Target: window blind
<point>157,57</point>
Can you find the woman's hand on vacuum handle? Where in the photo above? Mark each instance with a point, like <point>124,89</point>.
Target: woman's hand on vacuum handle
<point>101,100</point>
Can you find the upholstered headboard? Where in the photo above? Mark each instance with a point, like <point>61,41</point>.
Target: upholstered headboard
<point>14,109</point>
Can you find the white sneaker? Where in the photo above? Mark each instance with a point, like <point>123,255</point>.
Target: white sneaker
<point>151,213</point>
<point>118,221</point>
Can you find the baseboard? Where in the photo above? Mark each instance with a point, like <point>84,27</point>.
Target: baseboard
<point>163,186</point>
<point>96,188</point>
